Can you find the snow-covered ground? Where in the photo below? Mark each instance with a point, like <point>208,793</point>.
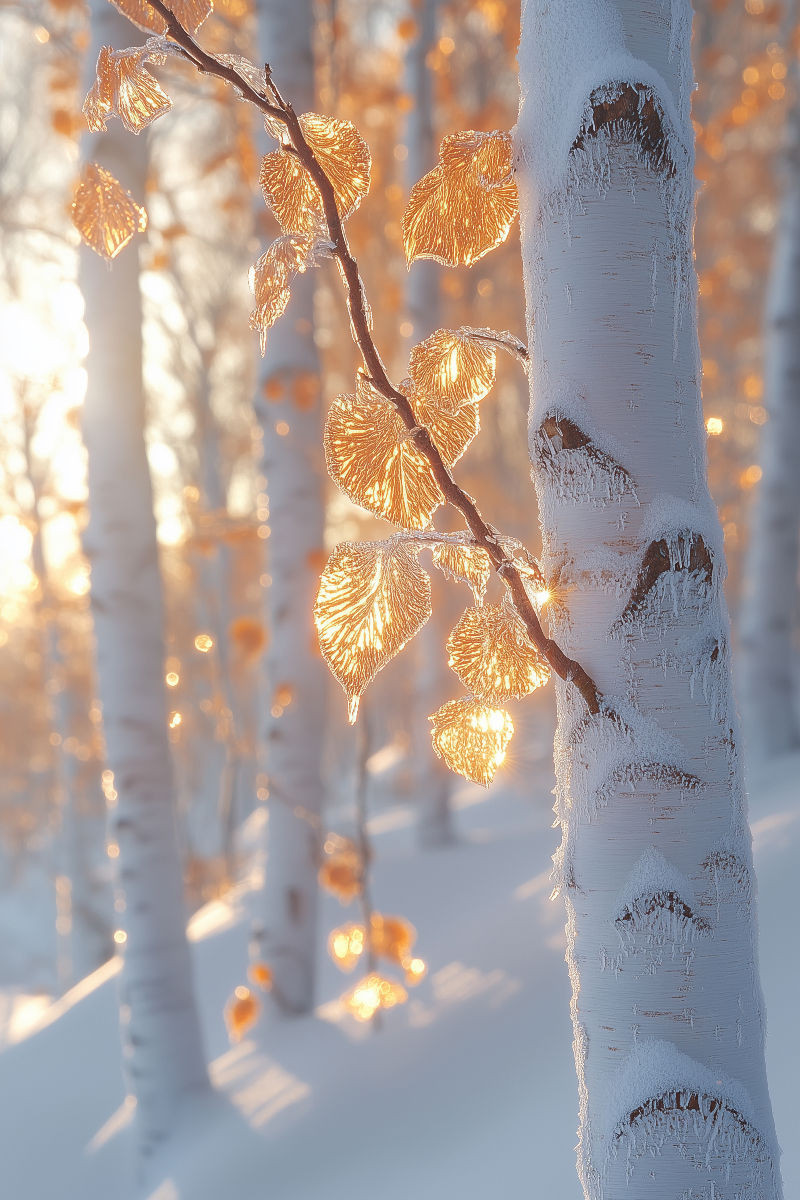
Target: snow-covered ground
<point>467,1091</point>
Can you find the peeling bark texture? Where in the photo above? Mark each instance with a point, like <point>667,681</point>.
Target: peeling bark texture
<point>163,1052</point>
<point>654,863</point>
<point>289,408</point>
<point>432,680</point>
<point>770,608</point>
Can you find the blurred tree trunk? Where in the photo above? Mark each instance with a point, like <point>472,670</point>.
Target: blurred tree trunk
<point>163,1050</point>
<point>289,406</point>
<point>769,614</point>
<point>432,680</point>
<point>655,861</point>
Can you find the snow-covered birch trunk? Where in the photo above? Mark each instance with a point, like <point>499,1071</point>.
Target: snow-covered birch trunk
<point>432,680</point>
<point>289,406</point>
<point>655,863</point>
<point>770,605</point>
<point>163,1052</point>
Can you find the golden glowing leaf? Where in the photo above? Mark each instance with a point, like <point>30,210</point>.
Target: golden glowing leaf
<point>466,205</point>
<point>241,1013</point>
<point>492,656</point>
<point>341,873</point>
<point>140,98</point>
<point>416,969</point>
<point>391,937</point>
<point>451,369</point>
<point>261,975</point>
<point>372,993</point>
<point>105,215</point>
<point>291,192</point>
<point>452,432</point>
<point>99,102</point>
<point>346,945</point>
<point>467,564</point>
<point>373,597</point>
<point>271,277</point>
<point>471,737</point>
<point>190,13</point>
<point>371,457</point>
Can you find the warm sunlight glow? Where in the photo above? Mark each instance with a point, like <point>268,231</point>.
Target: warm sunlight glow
<point>714,425</point>
<point>204,642</point>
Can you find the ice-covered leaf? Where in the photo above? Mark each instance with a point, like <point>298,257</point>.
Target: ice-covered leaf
<point>391,937</point>
<point>451,369</point>
<point>271,277</point>
<point>190,13</point>
<point>490,652</point>
<point>371,993</point>
<point>471,737</point>
<point>341,873</point>
<point>373,597</point>
<point>452,432</point>
<point>467,564</point>
<point>124,86</point>
<point>371,457</point>
<point>105,215</point>
<point>291,192</point>
<point>466,205</point>
<point>241,1013</point>
<point>346,945</point>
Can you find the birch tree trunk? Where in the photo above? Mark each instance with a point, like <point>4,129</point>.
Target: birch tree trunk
<point>289,407</point>
<point>432,679</point>
<point>769,613</point>
<point>655,861</point>
<point>162,1045</point>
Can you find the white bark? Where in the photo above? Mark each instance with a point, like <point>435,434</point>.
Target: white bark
<point>655,861</point>
<point>289,394</point>
<point>769,615</point>
<point>163,1051</point>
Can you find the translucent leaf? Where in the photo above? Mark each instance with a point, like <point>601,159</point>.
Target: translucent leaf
<point>472,738</point>
<point>346,945</point>
<point>271,277</point>
<point>99,102</point>
<point>466,205</point>
<point>250,73</point>
<point>372,993</point>
<point>451,369</point>
<point>342,871</point>
<point>140,98</point>
<point>492,656</point>
<point>451,432</point>
<point>373,597</point>
<point>105,215</point>
<point>467,564</point>
<point>291,192</point>
<point>241,1013</point>
<point>371,458</point>
<point>190,13</point>
<point>391,937</point>
<point>260,974</point>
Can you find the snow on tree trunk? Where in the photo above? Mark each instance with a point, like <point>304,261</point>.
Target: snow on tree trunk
<point>163,1051</point>
<point>769,612</point>
<point>655,861</point>
<point>289,405</point>
<point>432,680</point>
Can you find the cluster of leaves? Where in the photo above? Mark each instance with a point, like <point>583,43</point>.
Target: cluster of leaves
<point>374,596</point>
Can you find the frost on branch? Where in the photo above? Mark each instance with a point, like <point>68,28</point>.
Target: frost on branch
<point>290,191</point>
<point>271,277</point>
<point>451,369</point>
<point>125,88</point>
<point>466,564</point>
<point>466,205</point>
<point>105,215</point>
<point>372,458</point>
<point>471,737</point>
<point>492,655</point>
<point>190,13</point>
<point>373,597</point>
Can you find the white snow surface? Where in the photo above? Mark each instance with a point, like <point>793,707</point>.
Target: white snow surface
<point>467,1091</point>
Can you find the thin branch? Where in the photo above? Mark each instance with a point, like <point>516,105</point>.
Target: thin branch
<point>484,536</point>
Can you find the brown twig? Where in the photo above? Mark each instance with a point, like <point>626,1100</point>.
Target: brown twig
<point>279,108</point>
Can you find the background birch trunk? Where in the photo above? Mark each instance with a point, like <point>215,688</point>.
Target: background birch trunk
<point>432,680</point>
<point>289,407</point>
<point>769,613</point>
<point>655,861</point>
<point>163,1052</point>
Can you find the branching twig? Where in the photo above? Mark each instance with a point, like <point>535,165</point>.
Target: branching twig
<point>278,108</point>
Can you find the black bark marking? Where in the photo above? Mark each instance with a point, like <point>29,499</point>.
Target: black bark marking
<point>629,113</point>
<point>688,554</point>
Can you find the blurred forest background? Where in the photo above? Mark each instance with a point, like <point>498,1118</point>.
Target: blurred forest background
<point>214,416</point>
